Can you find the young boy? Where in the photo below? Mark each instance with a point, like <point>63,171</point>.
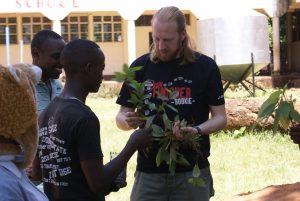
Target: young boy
<point>69,151</point>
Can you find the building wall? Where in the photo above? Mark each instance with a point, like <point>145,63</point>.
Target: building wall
<point>116,52</point>
<point>142,40</point>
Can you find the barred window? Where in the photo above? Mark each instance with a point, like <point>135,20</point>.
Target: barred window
<point>145,20</point>
<point>32,25</point>
<point>11,23</point>
<point>107,28</point>
<point>74,27</point>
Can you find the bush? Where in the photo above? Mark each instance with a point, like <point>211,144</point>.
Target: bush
<point>108,89</point>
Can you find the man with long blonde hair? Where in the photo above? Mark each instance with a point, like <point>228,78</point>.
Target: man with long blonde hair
<point>173,65</point>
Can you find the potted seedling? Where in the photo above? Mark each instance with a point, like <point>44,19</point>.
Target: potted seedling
<point>281,106</point>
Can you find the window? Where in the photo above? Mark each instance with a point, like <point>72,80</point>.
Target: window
<point>32,25</point>
<point>145,20</point>
<point>74,27</point>
<point>107,28</point>
<point>11,23</point>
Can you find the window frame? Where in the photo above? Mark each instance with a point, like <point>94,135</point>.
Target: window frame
<point>13,36</point>
<point>70,22</point>
<point>43,22</point>
<point>109,29</point>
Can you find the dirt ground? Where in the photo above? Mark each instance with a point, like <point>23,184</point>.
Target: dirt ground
<point>287,192</point>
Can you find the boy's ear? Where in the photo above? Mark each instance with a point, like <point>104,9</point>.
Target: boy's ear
<point>34,53</point>
<point>88,67</point>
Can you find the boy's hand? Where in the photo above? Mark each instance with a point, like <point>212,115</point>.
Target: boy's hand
<point>141,138</point>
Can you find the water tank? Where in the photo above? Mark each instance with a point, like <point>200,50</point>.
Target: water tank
<point>231,38</point>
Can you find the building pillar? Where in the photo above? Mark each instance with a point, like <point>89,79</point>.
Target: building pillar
<point>276,45</point>
<point>131,41</point>
<point>130,11</point>
<point>289,32</point>
<point>19,27</point>
<point>91,27</point>
<point>56,26</point>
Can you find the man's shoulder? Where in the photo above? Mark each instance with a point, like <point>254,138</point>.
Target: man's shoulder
<point>142,60</point>
<point>203,58</point>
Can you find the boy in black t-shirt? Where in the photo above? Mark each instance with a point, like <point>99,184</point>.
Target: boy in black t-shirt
<point>69,151</point>
<point>173,65</point>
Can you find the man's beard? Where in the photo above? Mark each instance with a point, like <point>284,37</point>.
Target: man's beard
<point>168,56</point>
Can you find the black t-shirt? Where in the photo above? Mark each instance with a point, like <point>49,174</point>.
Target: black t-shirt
<point>199,85</point>
<point>68,133</point>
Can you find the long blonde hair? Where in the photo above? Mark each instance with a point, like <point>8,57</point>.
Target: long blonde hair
<point>172,13</point>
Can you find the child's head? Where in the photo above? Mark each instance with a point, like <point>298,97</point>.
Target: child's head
<point>85,61</point>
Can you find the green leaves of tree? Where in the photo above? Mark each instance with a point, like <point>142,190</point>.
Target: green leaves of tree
<point>282,107</point>
<point>128,74</point>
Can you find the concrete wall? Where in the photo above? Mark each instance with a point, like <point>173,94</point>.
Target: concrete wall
<point>142,39</point>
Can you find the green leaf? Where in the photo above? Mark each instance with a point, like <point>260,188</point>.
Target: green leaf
<point>134,99</point>
<point>173,95</point>
<point>182,160</point>
<point>161,156</point>
<point>157,131</point>
<point>273,98</point>
<point>295,115</point>
<point>172,167</point>
<point>134,86</point>
<point>196,171</point>
<point>149,121</point>
<point>266,111</point>
<point>172,107</point>
<point>151,106</point>
<point>167,122</point>
<point>284,114</point>
<point>173,155</point>
<point>119,77</point>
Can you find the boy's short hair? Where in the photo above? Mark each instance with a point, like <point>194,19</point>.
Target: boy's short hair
<point>78,53</point>
<point>42,36</point>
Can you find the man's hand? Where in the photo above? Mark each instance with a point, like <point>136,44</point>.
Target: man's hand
<point>133,119</point>
<point>127,118</point>
<point>183,133</point>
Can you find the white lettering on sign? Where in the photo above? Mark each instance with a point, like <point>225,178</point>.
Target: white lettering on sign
<point>46,3</point>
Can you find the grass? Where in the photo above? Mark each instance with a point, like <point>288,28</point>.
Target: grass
<point>247,163</point>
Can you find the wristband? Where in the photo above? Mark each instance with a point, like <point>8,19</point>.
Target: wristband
<point>199,131</point>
